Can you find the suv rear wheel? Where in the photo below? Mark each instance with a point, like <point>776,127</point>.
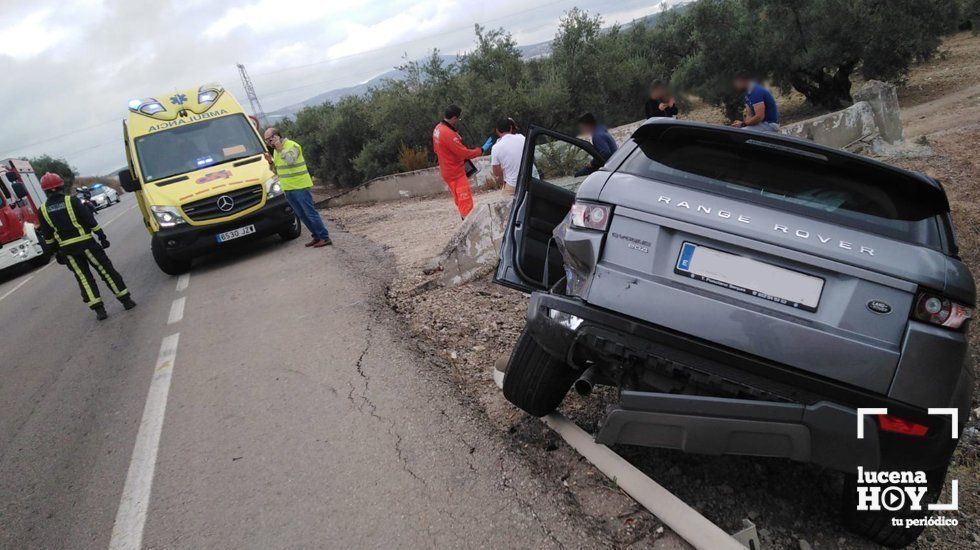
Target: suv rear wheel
<point>877,525</point>
<point>535,381</point>
<point>168,265</point>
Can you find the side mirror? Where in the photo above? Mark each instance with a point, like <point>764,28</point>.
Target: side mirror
<point>19,190</point>
<point>128,183</point>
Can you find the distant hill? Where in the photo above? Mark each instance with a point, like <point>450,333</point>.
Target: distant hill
<point>541,49</point>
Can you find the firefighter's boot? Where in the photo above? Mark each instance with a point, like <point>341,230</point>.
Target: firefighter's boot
<point>100,313</point>
<point>127,302</point>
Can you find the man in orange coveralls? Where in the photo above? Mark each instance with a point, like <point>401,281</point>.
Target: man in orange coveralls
<point>452,154</point>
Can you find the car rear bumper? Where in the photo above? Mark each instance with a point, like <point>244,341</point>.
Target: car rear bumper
<point>787,413</point>
<point>189,241</point>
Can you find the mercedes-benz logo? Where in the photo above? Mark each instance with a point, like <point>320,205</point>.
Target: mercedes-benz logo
<point>225,203</point>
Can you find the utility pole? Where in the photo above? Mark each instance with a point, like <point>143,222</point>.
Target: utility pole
<point>253,98</point>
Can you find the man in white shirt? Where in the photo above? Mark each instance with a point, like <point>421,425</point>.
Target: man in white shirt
<point>505,157</point>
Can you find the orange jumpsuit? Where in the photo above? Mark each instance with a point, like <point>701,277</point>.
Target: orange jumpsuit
<point>452,153</point>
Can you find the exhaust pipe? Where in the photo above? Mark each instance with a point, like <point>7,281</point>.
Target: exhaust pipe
<point>584,384</point>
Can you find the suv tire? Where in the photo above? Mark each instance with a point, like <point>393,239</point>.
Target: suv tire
<point>291,231</point>
<point>877,526</point>
<point>536,381</point>
<point>168,265</point>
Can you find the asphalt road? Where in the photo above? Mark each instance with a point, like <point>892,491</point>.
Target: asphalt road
<point>266,401</point>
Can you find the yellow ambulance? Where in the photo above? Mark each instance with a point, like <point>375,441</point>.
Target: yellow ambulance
<point>198,168</point>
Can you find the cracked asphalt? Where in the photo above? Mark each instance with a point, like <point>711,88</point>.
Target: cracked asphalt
<point>298,414</point>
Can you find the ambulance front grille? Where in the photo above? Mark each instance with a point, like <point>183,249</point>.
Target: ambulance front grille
<point>225,204</point>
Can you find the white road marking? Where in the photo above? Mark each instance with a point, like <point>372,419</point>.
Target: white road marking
<point>119,215</point>
<point>176,310</point>
<point>20,284</point>
<point>183,281</point>
<point>127,532</point>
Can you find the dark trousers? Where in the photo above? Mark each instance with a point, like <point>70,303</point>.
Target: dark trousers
<point>302,202</point>
<point>81,259</point>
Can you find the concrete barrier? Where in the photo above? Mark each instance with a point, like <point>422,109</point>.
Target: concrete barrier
<point>844,129</point>
<point>872,124</point>
<point>420,183</point>
<point>883,98</point>
<point>472,251</point>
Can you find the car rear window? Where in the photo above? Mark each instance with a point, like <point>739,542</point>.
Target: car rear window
<point>811,181</point>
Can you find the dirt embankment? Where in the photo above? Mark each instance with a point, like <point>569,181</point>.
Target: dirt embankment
<point>465,329</point>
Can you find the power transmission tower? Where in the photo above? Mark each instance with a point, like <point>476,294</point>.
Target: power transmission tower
<point>253,98</point>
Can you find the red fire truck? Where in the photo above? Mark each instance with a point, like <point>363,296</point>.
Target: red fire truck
<point>20,200</point>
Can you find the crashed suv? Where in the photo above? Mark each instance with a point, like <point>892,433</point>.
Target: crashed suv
<point>746,293</point>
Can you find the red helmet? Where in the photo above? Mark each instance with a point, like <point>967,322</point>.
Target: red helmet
<point>51,181</point>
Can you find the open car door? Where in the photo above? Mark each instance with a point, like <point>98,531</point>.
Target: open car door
<point>552,169</point>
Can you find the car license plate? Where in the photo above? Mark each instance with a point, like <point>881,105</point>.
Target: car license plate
<point>235,233</point>
<point>748,276</point>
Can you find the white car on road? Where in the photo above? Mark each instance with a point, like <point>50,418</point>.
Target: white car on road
<point>103,196</point>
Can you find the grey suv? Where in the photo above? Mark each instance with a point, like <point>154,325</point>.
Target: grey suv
<point>746,293</point>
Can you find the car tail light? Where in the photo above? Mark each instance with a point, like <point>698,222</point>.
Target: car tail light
<point>896,425</point>
<point>939,310</point>
<point>590,215</point>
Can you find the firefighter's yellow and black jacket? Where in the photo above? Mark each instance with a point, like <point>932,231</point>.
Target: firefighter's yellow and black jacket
<point>69,230</point>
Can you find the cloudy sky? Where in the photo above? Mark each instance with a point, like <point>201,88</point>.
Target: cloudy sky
<point>71,66</point>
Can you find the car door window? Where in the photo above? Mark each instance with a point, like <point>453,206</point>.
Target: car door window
<point>553,168</point>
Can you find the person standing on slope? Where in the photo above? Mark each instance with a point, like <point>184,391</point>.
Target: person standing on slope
<point>452,155</point>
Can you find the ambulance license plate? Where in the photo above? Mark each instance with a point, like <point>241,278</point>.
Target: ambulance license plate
<point>748,276</point>
<point>235,233</point>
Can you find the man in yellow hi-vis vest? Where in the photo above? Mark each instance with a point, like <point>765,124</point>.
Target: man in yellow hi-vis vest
<point>296,183</point>
<point>70,229</point>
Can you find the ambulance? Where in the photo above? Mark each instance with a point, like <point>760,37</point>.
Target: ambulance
<point>198,167</point>
<point>21,198</point>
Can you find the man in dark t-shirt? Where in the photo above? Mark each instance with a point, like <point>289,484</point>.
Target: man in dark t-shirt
<point>659,103</point>
<point>761,112</point>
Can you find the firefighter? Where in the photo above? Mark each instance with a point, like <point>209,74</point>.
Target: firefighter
<point>70,230</point>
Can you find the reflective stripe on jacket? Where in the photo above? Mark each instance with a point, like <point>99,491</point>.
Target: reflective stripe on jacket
<point>66,221</point>
<point>291,167</point>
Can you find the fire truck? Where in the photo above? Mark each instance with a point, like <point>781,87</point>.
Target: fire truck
<point>21,198</point>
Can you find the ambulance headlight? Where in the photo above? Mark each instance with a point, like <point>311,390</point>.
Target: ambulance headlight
<point>167,216</point>
<point>272,187</point>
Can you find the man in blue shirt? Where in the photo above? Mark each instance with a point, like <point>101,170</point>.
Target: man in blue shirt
<point>761,112</point>
<point>602,140</point>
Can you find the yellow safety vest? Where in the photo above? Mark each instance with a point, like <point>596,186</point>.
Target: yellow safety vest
<point>292,175</point>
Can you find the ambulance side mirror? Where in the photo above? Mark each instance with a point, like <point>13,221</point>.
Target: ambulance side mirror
<point>128,183</point>
<point>19,190</point>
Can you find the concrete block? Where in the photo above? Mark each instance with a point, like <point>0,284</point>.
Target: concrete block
<point>473,250</point>
<point>883,98</point>
<point>844,129</point>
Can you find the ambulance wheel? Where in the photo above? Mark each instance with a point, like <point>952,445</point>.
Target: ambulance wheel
<point>877,525</point>
<point>291,231</point>
<point>535,381</point>
<point>168,265</point>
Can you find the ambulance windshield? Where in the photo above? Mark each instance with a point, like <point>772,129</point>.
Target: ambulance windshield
<point>195,146</point>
